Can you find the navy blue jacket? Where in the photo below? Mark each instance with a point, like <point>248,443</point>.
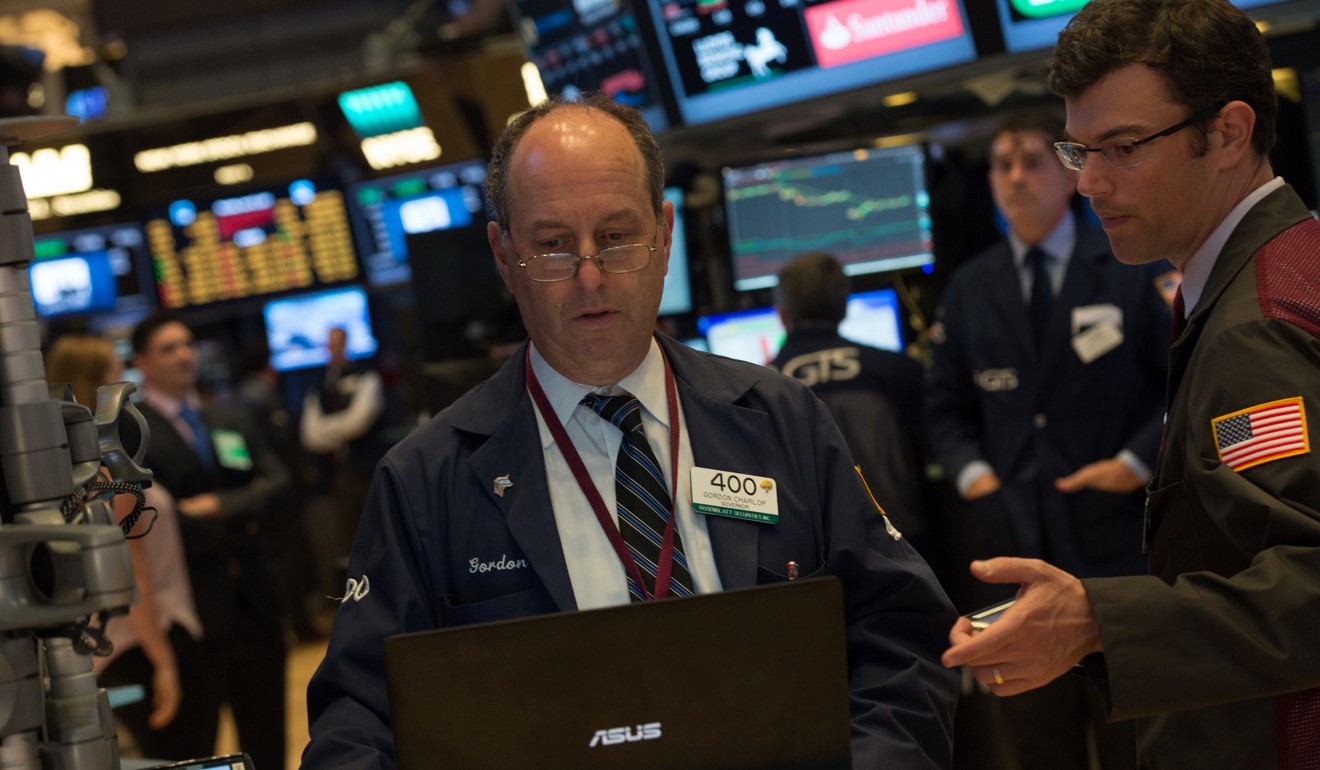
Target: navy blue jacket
<point>1036,416</point>
<point>433,510</point>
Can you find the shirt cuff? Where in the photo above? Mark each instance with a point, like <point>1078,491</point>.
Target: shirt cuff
<point>1134,464</point>
<point>970,473</point>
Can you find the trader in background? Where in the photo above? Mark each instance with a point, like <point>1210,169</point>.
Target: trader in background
<point>225,482</point>
<point>581,237</point>
<point>873,394</point>
<point>1045,405</point>
<point>1171,108</point>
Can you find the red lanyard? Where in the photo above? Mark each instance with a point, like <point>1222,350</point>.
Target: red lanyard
<point>588,487</point>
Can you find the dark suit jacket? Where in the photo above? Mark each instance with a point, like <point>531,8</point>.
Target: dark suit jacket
<point>1230,616</point>
<point>1037,416</point>
<point>875,398</point>
<point>433,513</point>
<point>226,558</point>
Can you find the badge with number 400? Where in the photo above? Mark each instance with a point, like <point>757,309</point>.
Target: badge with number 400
<point>733,494</point>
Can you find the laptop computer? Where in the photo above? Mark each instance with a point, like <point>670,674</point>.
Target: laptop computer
<point>749,678</point>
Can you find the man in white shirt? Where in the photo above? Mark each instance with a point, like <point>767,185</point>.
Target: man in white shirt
<point>504,505</point>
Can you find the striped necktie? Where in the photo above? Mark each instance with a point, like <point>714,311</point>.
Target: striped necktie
<point>642,498</point>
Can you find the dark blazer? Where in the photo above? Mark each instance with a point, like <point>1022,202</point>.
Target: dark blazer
<point>433,514</point>
<point>226,558</point>
<point>875,398</point>
<point>1035,416</point>
<point>1230,615</point>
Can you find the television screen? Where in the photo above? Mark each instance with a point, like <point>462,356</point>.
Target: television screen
<point>262,241</point>
<point>592,45</point>
<point>677,297</point>
<point>748,335</point>
<point>90,270</point>
<point>385,211</point>
<point>1034,24</point>
<point>297,327</point>
<point>874,319</point>
<point>867,207</point>
<point>728,59</point>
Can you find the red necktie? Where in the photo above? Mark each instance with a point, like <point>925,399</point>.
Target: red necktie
<point>1179,316</point>
<point>1297,729</point>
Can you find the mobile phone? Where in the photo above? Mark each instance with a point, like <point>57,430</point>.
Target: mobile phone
<point>982,618</point>
<point>239,761</point>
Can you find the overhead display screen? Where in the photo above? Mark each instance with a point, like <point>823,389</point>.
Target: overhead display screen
<point>868,207</point>
<point>731,57</point>
<point>385,211</point>
<point>592,45</point>
<point>1034,24</point>
<point>277,239</point>
<point>90,270</point>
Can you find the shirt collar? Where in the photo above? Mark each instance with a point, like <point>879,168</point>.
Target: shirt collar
<point>1057,245</point>
<point>168,405</point>
<point>646,382</point>
<point>1197,270</point>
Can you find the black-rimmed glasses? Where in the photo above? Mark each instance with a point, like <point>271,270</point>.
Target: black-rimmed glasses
<point>1123,152</point>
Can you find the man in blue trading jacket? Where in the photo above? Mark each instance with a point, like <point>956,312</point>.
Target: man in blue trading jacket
<point>874,395</point>
<point>1045,406</point>
<point>581,237</point>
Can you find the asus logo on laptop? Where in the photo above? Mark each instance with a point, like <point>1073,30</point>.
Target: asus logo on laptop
<point>616,735</point>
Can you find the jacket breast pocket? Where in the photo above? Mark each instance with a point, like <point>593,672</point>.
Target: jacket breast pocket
<point>533,601</point>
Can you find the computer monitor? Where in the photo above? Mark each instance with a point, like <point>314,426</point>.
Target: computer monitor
<point>1035,24</point>
<point>91,270</point>
<point>730,59</point>
<point>593,45</point>
<point>754,335</point>
<point>868,207</point>
<point>298,326</point>
<point>677,297</point>
<point>384,211</point>
<point>874,318</point>
<point>257,242</point>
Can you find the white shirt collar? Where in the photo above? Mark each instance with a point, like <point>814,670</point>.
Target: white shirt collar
<point>1197,270</point>
<point>1057,245</point>
<point>646,382</point>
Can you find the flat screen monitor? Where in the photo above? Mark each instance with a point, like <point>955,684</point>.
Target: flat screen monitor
<point>385,211</point>
<point>867,207</point>
<point>677,297</point>
<point>874,319</point>
<point>754,335</point>
<point>1030,25</point>
<point>728,59</point>
<point>92,270</point>
<point>298,326</point>
<point>592,45</point>
<point>257,242</point>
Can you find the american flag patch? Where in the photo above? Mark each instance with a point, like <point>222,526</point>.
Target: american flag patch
<point>1261,433</point>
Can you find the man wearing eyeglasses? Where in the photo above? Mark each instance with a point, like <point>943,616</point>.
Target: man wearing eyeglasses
<point>1171,110</point>
<point>504,505</point>
<point>1044,405</point>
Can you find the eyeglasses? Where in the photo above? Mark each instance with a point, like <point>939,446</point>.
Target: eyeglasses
<point>547,268</point>
<point>1124,152</point>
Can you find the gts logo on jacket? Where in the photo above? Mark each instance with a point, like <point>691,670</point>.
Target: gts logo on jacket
<point>616,735</point>
<point>834,365</point>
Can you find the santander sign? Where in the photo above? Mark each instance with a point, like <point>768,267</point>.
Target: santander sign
<point>852,30</point>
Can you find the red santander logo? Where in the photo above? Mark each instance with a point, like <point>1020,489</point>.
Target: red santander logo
<point>852,30</point>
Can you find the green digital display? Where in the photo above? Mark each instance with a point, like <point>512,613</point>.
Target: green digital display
<point>1041,9</point>
<point>383,109</point>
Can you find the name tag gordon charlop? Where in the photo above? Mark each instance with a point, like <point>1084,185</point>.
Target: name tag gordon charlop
<point>736,495</point>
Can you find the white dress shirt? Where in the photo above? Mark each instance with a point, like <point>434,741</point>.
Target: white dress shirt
<point>593,566</point>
